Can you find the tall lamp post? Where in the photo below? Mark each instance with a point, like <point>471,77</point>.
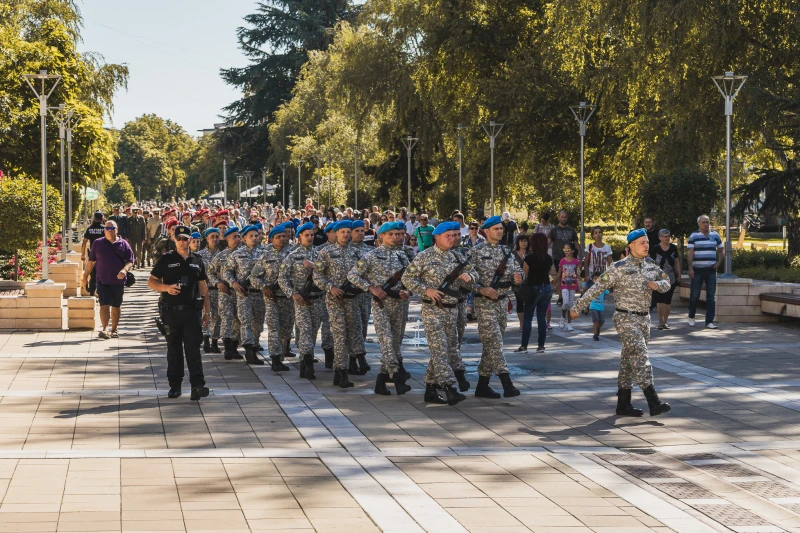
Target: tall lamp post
<point>409,142</point>
<point>139,189</point>
<point>461,127</point>
<point>239,187</point>
<point>43,95</point>
<point>60,116</point>
<point>729,85</point>
<point>71,123</point>
<point>299,170</point>
<point>583,112</point>
<point>317,160</point>
<point>283,187</point>
<point>330,182</point>
<point>264,183</point>
<point>493,130</point>
<point>355,188</point>
<point>247,175</point>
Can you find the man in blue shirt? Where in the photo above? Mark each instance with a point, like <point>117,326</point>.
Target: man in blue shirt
<point>705,255</point>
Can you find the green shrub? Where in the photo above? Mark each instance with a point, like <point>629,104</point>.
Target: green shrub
<point>784,274</point>
<point>759,258</point>
<point>617,245</point>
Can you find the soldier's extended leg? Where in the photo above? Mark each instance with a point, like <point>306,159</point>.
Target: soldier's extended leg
<point>214,324</point>
<point>365,303</point>
<point>307,321</point>
<point>388,327</point>
<point>354,336</point>
<point>228,324</point>
<point>491,323</point>
<point>272,315</point>
<point>259,315</point>
<point>286,313</point>
<point>440,327</point>
<point>207,329</point>
<point>327,338</point>
<point>244,310</point>
<point>454,357</point>
<point>336,315</point>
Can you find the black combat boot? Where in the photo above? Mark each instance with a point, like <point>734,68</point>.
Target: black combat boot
<point>230,351</point>
<point>250,356</point>
<point>308,359</point>
<point>509,390</point>
<point>277,366</point>
<point>483,390</point>
<point>337,377</point>
<point>432,395</point>
<point>258,347</point>
<point>656,406</point>
<point>206,344</point>
<point>380,385</point>
<point>344,380</point>
<point>353,368</point>
<point>400,384</point>
<point>406,375</point>
<point>363,366</point>
<point>235,344</point>
<point>198,392</point>
<point>624,407</point>
<point>328,357</point>
<point>174,392</point>
<point>215,346</point>
<point>287,352</point>
<point>452,395</point>
<point>461,377</point>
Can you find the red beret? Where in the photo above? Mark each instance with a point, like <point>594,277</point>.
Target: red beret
<point>223,213</point>
<point>172,222</point>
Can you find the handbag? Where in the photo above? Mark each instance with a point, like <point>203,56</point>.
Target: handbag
<point>130,279</point>
<point>527,292</point>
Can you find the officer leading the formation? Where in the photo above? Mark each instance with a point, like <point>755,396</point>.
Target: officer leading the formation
<point>633,280</point>
<point>180,277</point>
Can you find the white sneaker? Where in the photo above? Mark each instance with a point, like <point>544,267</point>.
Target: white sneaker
<point>691,322</point>
<point>570,328</point>
<point>711,325</point>
<point>562,324</point>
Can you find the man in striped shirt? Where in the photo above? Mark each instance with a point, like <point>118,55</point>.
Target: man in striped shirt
<point>705,255</point>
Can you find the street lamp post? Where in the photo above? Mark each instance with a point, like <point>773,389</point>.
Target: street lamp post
<point>283,186</point>
<point>409,142</point>
<point>247,175</point>
<point>264,184</point>
<point>299,167</point>
<point>60,116</point>
<point>583,112</point>
<point>239,187</point>
<point>729,85</point>
<point>493,130</point>
<point>355,189</point>
<point>139,189</point>
<point>43,95</point>
<point>330,182</point>
<point>461,127</point>
<point>71,123</point>
<point>224,182</point>
<point>317,159</point>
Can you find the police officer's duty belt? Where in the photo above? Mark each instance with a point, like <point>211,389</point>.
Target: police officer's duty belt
<point>637,313</point>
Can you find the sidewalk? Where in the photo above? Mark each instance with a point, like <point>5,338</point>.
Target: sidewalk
<point>90,441</point>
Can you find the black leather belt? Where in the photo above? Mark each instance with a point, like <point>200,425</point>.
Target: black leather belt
<point>637,313</point>
<point>446,306</point>
<point>253,290</point>
<point>179,308</point>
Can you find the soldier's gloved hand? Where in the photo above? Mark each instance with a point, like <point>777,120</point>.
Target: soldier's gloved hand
<point>488,292</point>
<point>379,293</point>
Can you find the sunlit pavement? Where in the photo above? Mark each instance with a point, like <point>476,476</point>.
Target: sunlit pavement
<point>90,442</point>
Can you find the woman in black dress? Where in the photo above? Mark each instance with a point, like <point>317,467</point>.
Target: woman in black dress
<point>665,254</point>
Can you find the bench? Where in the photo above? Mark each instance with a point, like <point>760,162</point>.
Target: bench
<point>781,304</point>
<point>759,246</point>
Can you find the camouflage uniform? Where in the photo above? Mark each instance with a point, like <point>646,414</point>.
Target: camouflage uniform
<point>229,321</point>
<point>279,309</point>
<point>364,300</point>
<point>292,278</point>
<point>327,336</point>
<point>375,269</point>
<point>213,328</point>
<point>249,306</point>
<point>461,321</point>
<point>492,314</point>
<point>628,278</point>
<point>427,271</point>
<point>330,270</point>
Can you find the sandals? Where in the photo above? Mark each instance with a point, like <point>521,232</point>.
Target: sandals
<point>114,335</point>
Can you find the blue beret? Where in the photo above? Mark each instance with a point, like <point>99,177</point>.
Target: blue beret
<point>209,231</point>
<point>635,234</point>
<point>329,227</point>
<point>491,221</point>
<point>386,226</point>
<point>400,225</point>
<point>342,224</point>
<point>304,227</point>
<point>358,224</point>
<point>258,225</point>
<point>195,235</point>
<point>443,227</point>
<point>231,231</point>
<point>248,229</point>
<point>280,228</point>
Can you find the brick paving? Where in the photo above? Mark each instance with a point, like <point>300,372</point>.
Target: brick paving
<point>90,442</point>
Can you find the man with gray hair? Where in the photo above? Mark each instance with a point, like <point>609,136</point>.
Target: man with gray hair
<point>705,255</point>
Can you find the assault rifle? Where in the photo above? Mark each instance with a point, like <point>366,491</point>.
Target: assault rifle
<point>500,272</point>
<point>450,279</point>
<point>386,287</point>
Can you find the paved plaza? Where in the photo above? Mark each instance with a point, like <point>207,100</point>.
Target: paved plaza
<point>90,442</point>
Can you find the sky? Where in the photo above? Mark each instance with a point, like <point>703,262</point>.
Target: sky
<point>174,50</point>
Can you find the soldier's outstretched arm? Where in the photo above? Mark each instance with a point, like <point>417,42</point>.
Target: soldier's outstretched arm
<point>606,282</point>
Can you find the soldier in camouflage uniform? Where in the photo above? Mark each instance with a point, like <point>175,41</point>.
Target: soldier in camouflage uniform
<point>279,308</point>
<point>426,275</point>
<point>229,322</point>
<point>456,362</point>
<point>249,302</point>
<point>371,274</point>
<point>330,274</point>
<point>327,336</point>
<point>212,331</point>
<point>295,280</point>
<point>633,280</point>
<point>364,300</point>
<point>491,306</point>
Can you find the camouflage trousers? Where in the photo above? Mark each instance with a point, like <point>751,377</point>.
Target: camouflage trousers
<point>327,336</point>
<point>441,330</point>
<point>462,320</point>
<point>280,319</point>
<point>492,319</point>
<point>307,318</point>
<point>634,366</point>
<point>389,324</point>
<point>244,310</point>
<point>365,304</point>
<point>259,313</point>
<point>345,317</point>
<point>213,328</point>
<point>229,320</point>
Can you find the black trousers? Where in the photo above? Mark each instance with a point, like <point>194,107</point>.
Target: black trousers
<point>184,337</point>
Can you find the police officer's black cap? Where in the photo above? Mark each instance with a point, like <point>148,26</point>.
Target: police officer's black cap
<point>98,215</point>
<point>183,230</point>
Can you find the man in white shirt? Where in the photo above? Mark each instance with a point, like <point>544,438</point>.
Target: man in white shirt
<point>459,217</point>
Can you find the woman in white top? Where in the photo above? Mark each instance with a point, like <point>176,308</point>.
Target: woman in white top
<point>597,256</point>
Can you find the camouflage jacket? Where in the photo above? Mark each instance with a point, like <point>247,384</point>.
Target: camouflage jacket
<point>332,266</point>
<point>240,264</point>
<point>430,268</point>
<point>485,258</point>
<point>377,267</point>
<point>214,272</point>
<point>629,279</point>
<point>293,275</point>
<point>265,272</point>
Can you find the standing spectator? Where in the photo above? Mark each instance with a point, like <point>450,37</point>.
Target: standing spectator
<point>411,225</point>
<point>560,235</point>
<point>537,268</point>
<point>472,240</point>
<point>151,229</point>
<point>423,235</point>
<point>525,229</point>
<point>114,259</point>
<point>122,222</point>
<point>568,271</point>
<point>510,229</point>
<point>665,254</point>
<point>652,232</point>
<point>597,256</point>
<point>463,229</point>
<point>705,255</point>
<point>520,252</point>
<point>544,226</point>
<point>137,234</point>
<point>369,233</point>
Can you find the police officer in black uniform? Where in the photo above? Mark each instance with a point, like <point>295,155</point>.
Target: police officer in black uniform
<point>180,277</point>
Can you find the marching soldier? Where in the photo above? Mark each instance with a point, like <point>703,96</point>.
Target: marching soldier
<point>330,274</point>
<point>212,330</point>
<point>279,308</point>
<point>249,301</point>
<point>461,324</point>
<point>633,280</point>
<point>364,300</point>
<point>378,274</point>
<point>497,271</point>
<point>327,336</point>
<point>295,280</point>
<point>229,322</point>
<point>432,274</point>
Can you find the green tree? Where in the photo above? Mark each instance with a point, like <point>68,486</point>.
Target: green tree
<point>121,191</point>
<point>21,212</point>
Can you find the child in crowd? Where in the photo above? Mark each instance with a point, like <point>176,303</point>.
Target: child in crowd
<point>598,308</point>
<point>568,272</point>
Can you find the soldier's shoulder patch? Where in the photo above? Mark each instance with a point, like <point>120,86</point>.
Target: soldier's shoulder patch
<point>412,269</point>
<point>604,277</point>
<point>361,263</point>
<point>319,264</point>
<point>619,263</point>
<point>664,275</point>
<point>283,266</point>
<point>468,267</point>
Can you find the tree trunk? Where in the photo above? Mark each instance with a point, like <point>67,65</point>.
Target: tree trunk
<point>793,236</point>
